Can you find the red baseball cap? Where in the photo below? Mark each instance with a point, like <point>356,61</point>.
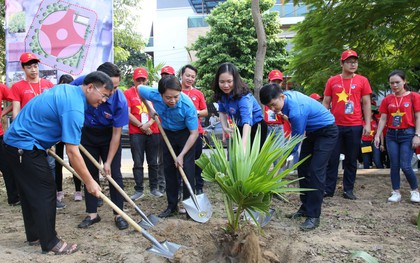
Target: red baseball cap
<point>275,74</point>
<point>26,57</point>
<point>348,53</point>
<point>315,96</point>
<point>140,73</point>
<point>167,70</point>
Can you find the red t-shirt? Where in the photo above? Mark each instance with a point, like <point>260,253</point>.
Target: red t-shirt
<point>24,91</point>
<point>199,101</point>
<point>139,110</point>
<point>374,127</point>
<point>5,94</point>
<point>399,110</point>
<point>352,92</point>
<point>272,118</point>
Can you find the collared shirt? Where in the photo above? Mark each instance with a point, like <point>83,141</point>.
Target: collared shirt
<point>112,113</point>
<point>182,115</point>
<point>305,113</point>
<point>244,110</point>
<point>55,115</point>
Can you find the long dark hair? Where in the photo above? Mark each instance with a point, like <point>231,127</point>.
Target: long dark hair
<point>239,86</point>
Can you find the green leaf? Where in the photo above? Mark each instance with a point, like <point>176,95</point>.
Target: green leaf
<point>363,255</point>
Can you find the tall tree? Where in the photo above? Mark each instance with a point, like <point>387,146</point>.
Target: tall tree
<point>384,33</point>
<point>233,38</point>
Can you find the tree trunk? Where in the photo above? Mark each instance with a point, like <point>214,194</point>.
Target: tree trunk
<point>262,48</point>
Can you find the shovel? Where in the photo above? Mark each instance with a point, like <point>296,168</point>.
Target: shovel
<point>197,206</point>
<point>262,219</point>
<point>149,221</point>
<point>165,249</point>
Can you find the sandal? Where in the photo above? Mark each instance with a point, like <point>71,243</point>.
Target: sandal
<point>62,248</point>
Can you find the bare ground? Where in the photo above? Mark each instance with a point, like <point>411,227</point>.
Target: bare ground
<point>368,224</point>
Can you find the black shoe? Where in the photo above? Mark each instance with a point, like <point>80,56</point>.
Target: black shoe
<point>309,224</point>
<point>199,191</point>
<point>100,202</point>
<point>328,194</point>
<point>296,215</point>
<point>349,195</point>
<point>121,223</point>
<point>167,213</point>
<point>88,221</point>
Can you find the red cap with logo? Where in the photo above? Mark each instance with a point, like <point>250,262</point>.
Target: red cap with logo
<point>140,73</point>
<point>315,96</point>
<point>275,74</point>
<point>26,57</point>
<point>167,70</point>
<point>348,53</point>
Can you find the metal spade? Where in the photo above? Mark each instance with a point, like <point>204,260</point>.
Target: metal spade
<point>262,219</point>
<point>165,249</point>
<point>198,206</point>
<point>149,221</point>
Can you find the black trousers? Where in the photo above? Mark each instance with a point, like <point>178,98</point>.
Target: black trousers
<point>96,142</point>
<point>319,144</point>
<point>177,140</point>
<point>9,180</point>
<point>199,182</point>
<point>37,194</point>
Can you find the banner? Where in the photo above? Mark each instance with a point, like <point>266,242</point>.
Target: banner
<point>69,37</point>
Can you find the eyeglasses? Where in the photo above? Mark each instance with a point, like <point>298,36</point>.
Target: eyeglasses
<point>104,96</point>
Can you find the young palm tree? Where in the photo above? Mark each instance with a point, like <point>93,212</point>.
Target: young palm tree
<point>246,179</point>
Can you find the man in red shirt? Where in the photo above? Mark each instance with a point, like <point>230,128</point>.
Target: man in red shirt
<point>144,137</point>
<point>345,94</point>
<point>24,90</point>
<point>188,75</point>
<point>9,180</point>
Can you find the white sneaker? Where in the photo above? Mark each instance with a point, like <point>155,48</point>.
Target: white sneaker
<point>60,196</point>
<point>415,196</point>
<point>395,197</point>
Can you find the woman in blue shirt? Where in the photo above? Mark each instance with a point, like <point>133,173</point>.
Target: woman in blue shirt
<point>236,100</point>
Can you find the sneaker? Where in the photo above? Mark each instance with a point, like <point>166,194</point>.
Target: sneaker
<point>59,205</point>
<point>396,197</point>
<point>60,196</point>
<point>78,196</point>
<point>156,193</point>
<point>137,195</point>
<point>415,196</point>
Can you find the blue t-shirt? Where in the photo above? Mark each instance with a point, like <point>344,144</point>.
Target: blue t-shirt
<point>305,113</point>
<point>244,110</point>
<point>55,115</point>
<point>112,113</point>
<point>182,115</point>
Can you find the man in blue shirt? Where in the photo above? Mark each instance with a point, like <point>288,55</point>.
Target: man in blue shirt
<point>101,136</point>
<point>306,115</point>
<point>55,115</point>
<point>179,120</point>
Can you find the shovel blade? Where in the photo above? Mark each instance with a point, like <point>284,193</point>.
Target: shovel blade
<point>204,211</point>
<point>166,249</point>
<point>153,220</point>
<point>262,219</point>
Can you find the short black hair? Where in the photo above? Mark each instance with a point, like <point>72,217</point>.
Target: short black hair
<point>169,82</point>
<point>99,78</point>
<point>269,92</point>
<point>110,69</point>
<point>65,79</point>
<point>190,67</point>
<point>30,62</point>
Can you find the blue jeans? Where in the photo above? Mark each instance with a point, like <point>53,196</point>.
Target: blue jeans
<point>375,155</point>
<point>141,144</point>
<point>398,143</point>
<point>349,144</point>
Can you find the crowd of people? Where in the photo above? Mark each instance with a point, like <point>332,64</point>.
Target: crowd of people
<point>91,111</point>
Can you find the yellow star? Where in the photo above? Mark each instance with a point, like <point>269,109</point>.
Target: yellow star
<point>398,113</point>
<point>342,96</point>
